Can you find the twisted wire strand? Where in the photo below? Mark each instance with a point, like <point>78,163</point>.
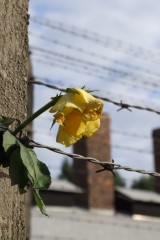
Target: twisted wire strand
<point>106,166</point>
<point>94,66</point>
<point>106,41</point>
<point>119,104</point>
<point>89,71</point>
<point>71,58</point>
<point>93,54</point>
<point>111,94</point>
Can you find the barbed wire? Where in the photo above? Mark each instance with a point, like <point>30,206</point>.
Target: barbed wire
<point>119,104</point>
<point>116,146</point>
<point>106,166</point>
<point>134,135</point>
<point>93,54</point>
<point>92,64</point>
<point>128,148</point>
<point>113,131</point>
<point>88,73</point>
<point>69,68</point>
<point>87,68</point>
<point>82,67</point>
<point>114,95</point>
<point>60,169</point>
<point>106,41</point>
<point>84,70</point>
<point>97,69</point>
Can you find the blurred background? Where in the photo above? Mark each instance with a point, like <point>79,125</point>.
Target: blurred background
<point>109,46</point>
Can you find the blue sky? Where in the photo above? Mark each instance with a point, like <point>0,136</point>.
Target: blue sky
<point>132,26</point>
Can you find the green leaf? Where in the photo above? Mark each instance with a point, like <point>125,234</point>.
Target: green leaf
<point>25,168</point>
<point>17,170</point>
<point>39,202</point>
<point>8,141</point>
<point>6,121</point>
<point>38,172</point>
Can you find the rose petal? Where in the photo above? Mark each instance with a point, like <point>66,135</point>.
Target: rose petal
<point>64,138</point>
<point>69,100</point>
<point>74,123</point>
<point>78,114</point>
<point>92,127</point>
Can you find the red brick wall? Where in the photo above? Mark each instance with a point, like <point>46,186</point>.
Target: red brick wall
<point>99,187</point>
<point>156,149</point>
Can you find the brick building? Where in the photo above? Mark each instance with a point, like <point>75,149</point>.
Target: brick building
<point>98,188</point>
<point>156,149</point>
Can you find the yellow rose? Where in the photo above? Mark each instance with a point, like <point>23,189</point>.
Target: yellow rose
<point>78,114</point>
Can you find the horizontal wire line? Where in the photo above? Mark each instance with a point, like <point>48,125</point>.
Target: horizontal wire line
<point>108,166</point>
<point>116,146</point>
<point>93,54</point>
<point>82,70</point>
<point>119,104</point>
<point>109,93</point>
<point>113,131</point>
<point>72,63</point>
<point>117,132</point>
<point>89,72</point>
<point>134,135</point>
<point>59,169</point>
<point>104,67</point>
<point>97,68</point>
<point>116,45</point>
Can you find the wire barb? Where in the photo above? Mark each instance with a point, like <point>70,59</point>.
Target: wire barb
<point>121,105</point>
<point>107,166</point>
<point>105,41</point>
<point>124,106</point>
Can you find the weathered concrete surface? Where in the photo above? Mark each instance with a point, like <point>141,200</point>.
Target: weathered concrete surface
<point>13,98</point>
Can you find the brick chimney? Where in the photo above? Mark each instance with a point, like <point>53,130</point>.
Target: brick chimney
<point>156,149</point>
<point>98,187</point>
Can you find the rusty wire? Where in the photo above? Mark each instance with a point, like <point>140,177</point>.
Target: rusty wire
<point>106,166</point>
<point>119,104</point>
